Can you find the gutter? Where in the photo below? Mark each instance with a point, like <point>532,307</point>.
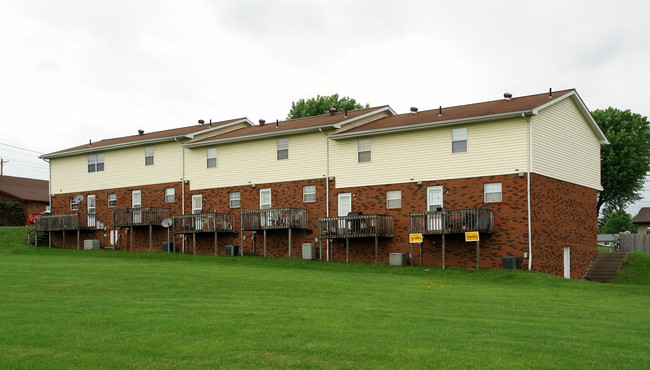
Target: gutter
<point>327,186</point>
<point>257,136</point>
<point>530,240</point>
<point>111,147</point>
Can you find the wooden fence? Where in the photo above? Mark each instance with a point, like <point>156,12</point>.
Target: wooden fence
<point>634,242</point>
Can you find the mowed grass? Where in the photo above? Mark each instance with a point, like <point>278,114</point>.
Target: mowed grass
<point>90,309</point>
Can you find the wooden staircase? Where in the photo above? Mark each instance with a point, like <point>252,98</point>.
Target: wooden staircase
<point>42,237</point>
<point>605,267</point>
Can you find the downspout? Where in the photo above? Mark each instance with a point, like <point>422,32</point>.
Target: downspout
<point>182,186</point>
<point>327,185</point>
<point>528,154</point>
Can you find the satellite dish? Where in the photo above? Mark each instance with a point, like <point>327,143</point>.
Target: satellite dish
<point>79,198</point>
<point>166,222</point>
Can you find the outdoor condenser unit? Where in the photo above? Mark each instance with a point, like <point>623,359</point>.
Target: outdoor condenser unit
<point>308,251</point>
<point>91,244</point>
<point>397,259</point>
<point>167,246</point>
<point>232,250</point>
<point>510,263</point>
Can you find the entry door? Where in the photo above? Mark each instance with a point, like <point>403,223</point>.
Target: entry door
<point>265,203</point>
<point>567,262</point>
<point>197,208</point>
<point>434,201</point>
<point>345,207</point>
<point>136,204</point>
<point>92,210</point>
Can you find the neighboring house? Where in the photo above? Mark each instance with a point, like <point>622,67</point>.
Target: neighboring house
<point>606,240</point>
<point>642,221</point>
<point>523,172</point>
<point>31,194</point>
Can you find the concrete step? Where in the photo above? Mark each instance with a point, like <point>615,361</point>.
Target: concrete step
<point>605,267</point>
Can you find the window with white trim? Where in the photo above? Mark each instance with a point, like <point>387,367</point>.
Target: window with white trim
<point>211,157</point>
<point>394,199</point>
<point>148,156</point>
<point>235,199</point>
<point>96,163</point>
<point>309,193</point>
<point>364,151</point>
<point>112,200</point>
<point>74,206</point>
<point>459,140</point>
<point>170,195</point>
<point>282,149</point>
<point>492,192</point>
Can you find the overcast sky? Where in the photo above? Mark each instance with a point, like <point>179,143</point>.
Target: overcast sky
<point>76,70</point>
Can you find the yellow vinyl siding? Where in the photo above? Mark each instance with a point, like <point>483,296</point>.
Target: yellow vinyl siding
<point>122,168</point>
<point>255,161</point>
<point>564,146</point>
<point>493,148</point>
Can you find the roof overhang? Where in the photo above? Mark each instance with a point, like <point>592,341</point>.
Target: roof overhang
<point>103,148</point>
<point>259,136</point>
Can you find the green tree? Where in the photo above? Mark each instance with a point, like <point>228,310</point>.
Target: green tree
<point>321,105</point>
<point>626,161</point>
<point>618,222</point>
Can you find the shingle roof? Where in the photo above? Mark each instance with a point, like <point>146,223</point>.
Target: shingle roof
<point>164,134</point>
<point>461,112</point>
<point>296,124</point>
<point>25,189</point>
<point>643,216</point>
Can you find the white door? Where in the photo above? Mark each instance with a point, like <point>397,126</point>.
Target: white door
<point>197,208</point>
<point>567,262</point>
<point>345,207</point>
<point>136,203</point>
<point>92,210</point>
<point>434,201</point>
<point>265,203</point>
<point>114,237</point>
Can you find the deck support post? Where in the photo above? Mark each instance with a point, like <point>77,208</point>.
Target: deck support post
<point>131,232</point>
<point>443,249</point>
<point>63,239</point>
<point>215,243</point>
<point>376,250</point>
<point>478,260</point>
<point>150,238</point>
<point>264,243</point>
<point>193,243</point>
<point>289,243</point>
<point>78,239</point>
<point>347,250</point>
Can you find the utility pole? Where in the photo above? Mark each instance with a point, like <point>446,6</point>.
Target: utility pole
<point>2,166</point>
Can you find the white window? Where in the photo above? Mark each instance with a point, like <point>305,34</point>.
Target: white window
<point>394,199</point>
<point>170,195</point>
<point>235,199</point>
<point>73,205</point>
<point>148,156</point>
<point>265,198</point>
<point>364,151</point>
<point>197,204</point>
<point>96,163</point>
<point>492,192</point>
<point>459,140</point>
<point>112,200</point>
<point>211,155</point>
<point>309,193</point>
<point>282,149</point>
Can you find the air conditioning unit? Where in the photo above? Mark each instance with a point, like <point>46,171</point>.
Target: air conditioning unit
<point>91,244</point>
<point>510,262</point>
<point>308,251</point>
<point>168,246</point>
<point>397,259</point>
<point>232,250</point>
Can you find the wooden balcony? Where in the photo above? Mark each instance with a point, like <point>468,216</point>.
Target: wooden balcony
<point>360,226</point>
<point>71,221</point>
<point>147,216</point>
<point>274,218</point>
<point>456,221</point>
<point>203,223</point>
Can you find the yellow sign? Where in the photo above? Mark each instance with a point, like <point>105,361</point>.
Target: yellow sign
<point>415,238</point>
<point>471,236</point>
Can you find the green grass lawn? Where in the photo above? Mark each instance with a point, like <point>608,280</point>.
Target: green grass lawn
<point>105,309</point>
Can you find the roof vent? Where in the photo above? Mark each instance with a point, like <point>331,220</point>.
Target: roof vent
<point>262,122</point>
<point>440,111</point>
<point>508,96</point>
<point>550,92</point>
<point>332,111</point>
<point>277,123</point>
<point>140,132</point>
<point>201,122</point>
<point>414,110</point>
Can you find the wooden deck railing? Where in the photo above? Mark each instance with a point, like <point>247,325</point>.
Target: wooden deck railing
<point>139,216</point>
<point>204,223</point>
<point>361,226</point>
<point>71,221</point>
<point>455,221</point>
<point>274,218</point>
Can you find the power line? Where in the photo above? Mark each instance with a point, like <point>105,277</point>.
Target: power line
<point>17,147</point>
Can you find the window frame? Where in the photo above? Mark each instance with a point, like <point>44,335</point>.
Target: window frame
<point>97,163</point>
<point>74,206</point>
<point>282,149</point>
<point>173,195</point>
<point>231,199</point>
<point>148,155</point>
<point>485,192</point>
<point>112,195</point>
<point>211,161</point>
<point>309,197</point>
<point>364,146</point>
<point>459,135</point>
<point>393,199</point>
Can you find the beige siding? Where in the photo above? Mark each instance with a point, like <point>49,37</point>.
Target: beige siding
<point>494,148</point>
<point>564,146</point>
<point>122,168</point>
<point>255,161</point>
